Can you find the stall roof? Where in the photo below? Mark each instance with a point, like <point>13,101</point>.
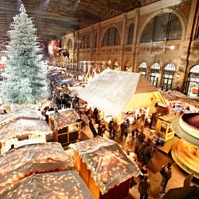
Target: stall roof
<point>63,117</point>
<point>178,97</point>
<point>21,122</point>
<point>115,92</point>
<point>107,162</point>
<point>63,184</point>
<point>29,159</point>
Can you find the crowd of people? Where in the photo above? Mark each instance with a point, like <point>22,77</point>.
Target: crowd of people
<point>144,146</point>
<point>128,130</point>
<point>120,132</point>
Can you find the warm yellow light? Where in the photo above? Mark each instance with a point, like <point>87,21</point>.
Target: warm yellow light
<point>172,47</point>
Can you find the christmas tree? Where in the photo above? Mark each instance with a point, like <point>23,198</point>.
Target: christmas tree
<point>25,77</point>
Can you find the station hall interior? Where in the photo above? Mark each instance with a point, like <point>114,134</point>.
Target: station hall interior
<point>151,46</point>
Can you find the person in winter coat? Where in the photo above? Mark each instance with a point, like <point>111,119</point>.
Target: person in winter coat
<point>166,173</point>
<point>144,187</point>
<point>92,128</point>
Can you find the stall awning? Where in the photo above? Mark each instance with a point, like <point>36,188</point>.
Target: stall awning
<point>115,92</point>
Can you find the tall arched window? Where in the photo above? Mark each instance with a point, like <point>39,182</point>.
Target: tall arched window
<point>69,44</point>
<point>192,85</point>
<point>95,41</point>
<point>162,27</point>
<point>142,69</point>
<point>130,34</point>
<point>85,42</point>
<point>111,37</point>
<point>167,78</point>
<point>154,74</point>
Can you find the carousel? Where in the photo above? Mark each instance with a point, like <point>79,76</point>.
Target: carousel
<point>185,151</point>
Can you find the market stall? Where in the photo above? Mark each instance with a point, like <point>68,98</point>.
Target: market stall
<point>185,152</point>
<point>65,184</point>
<point>116,92</point>
<point>104,167</point>
<point>180,103</point>
<point>30,159</point>
<point>23,127</point>
<point>65,125</point>
<point>163,127</point>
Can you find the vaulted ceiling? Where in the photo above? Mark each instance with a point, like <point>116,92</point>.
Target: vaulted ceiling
<point>55,18</point>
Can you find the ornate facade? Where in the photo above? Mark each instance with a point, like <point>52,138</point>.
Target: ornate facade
<point>159,39</point>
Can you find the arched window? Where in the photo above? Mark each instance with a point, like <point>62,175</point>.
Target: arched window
<point>130,34</point>
<point>167,78</point>
<point>192,85</point>
<point>195,69</point>
<point>162,27</point>
<point>154,74</point>
<point>95,41</point>
<point>85,42</point>
<point>142,69</point>
<point>111,37</point>
<point>69,44</point>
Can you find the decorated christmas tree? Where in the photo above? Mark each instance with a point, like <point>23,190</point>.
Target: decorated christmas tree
<point>25,77</point>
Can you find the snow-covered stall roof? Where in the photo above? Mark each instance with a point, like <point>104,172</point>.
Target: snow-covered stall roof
<point>30,159</point>
<point>178,97</point>
<point>62,118</point>
<point>22,127</point>
<point>108,163</point>
<point>63,184</point>
<point>115,92</point>
<point>21,122</point>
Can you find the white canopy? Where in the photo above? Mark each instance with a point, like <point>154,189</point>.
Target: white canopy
<point>115,92</point>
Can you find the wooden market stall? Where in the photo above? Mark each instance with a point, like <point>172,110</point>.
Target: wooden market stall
<point>19,163</point>
<point>104,167</point>
<point>163,127</point>
<point>65,125</point>
<point>23,127</point>
<point>180,103</point>
<point>118,92</point>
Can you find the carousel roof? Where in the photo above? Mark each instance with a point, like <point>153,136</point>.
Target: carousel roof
<point>189,132</point>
